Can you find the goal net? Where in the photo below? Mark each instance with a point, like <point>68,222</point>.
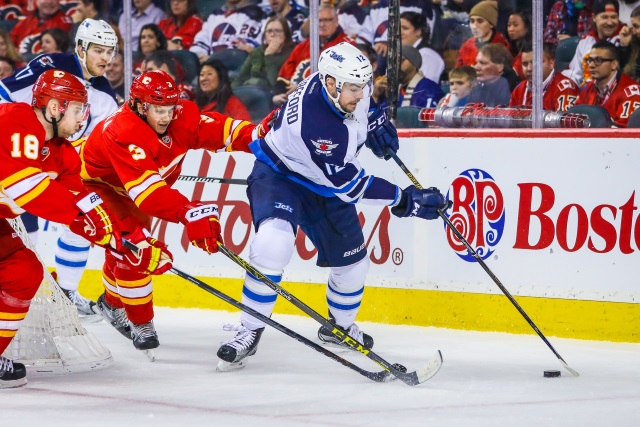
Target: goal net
<point>51,340</point>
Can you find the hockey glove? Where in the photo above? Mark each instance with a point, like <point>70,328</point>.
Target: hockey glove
<point>152,256</point>
<point>382,137</point>
<point>203,225</point>
<point>421,203</point>
<point>94,222</point>
<point>265,125</point>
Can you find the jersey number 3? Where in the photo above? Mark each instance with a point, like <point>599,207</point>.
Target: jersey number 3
<point>27,146</point>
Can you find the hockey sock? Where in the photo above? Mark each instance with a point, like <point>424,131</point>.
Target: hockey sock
<point>345,290</point>
<point>72,252</point>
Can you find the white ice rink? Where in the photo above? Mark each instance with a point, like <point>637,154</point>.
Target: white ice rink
<point>487,379</point>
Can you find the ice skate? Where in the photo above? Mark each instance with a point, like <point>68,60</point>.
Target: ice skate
<point>353,331</point>
<point>233,353</point>
<point>86,307</point>
<point>145,338</point>
<point>12,374</point>
<point>117,317</point>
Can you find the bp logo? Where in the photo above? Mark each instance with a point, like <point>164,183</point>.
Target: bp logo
<point>477,212</point>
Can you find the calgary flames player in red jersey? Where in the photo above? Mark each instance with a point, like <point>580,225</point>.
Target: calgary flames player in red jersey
<point>131,159</point>
<point>559,92</point>
<point>28,135</point>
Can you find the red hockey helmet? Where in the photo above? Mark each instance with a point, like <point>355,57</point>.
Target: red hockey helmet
<point>60,85</point>
<point>154,87</point>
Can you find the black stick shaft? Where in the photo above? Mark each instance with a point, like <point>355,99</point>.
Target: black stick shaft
<point>484,266</point>
<point>381,376</point>
<point>394,52</point>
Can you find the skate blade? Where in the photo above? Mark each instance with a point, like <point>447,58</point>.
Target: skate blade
<point>151,355</point>
<point>224,366</point>
<point>13,384</point>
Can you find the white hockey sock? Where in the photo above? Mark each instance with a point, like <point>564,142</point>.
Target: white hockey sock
<point>345,290</point>
<point>72,252</point>
<point>270,252</point>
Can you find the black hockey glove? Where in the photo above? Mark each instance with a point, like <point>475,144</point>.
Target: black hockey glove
<point>382,136</point>
<point>421,203</point>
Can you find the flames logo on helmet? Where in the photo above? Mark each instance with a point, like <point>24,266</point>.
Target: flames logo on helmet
<point>478,212</point>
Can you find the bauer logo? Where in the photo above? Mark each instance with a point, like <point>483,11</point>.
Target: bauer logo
<point>477,212</point>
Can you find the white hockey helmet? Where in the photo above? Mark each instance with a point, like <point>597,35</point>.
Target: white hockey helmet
<point>346,64</point>
<point>97,32</point>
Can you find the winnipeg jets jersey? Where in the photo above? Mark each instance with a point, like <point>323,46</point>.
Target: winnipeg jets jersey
<point>19,86</point>
<point>316,146</point>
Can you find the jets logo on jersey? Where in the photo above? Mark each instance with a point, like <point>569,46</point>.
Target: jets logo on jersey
<point>324,146</point>
<point>223,36</point>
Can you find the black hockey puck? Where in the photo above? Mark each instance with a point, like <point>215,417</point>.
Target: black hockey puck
<point>551,374</point>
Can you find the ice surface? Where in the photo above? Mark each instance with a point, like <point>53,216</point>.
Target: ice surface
<point>487,379</point>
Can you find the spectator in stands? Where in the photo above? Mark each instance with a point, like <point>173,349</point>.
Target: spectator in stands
<point>568,18</point>
<point>492,89</point>
<point>7,67</point>
<point>115,76</point>
<point>297,66</point>
<point>630,46</point>
<point>181,24</point>
<point>86,9</point>
<point>415,89</point>
<point>461,81</point>
<point>236,26</point>
<point>350,16</point>
<point>143,12</point>
<point>374,28</point>
<point>8,49</point>
<point>290,11</point>
<point>163,60</point>
<point>609,86</point>
<point>607,28</point>
<point>500,55</point>
<point>559,93</point>
<point>263,64</point>
<point>151,39</point>
<point>414,31</point>
<point>54,40</point>
<point>482,20</point>
<point>214,92</point>
<point>26,34</point>
<point>518,33</point>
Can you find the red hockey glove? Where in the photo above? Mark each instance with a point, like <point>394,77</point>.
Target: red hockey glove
<point>94,223</point>
<point>265,125</point>
<point>152,256</point>
<point>202,224</point>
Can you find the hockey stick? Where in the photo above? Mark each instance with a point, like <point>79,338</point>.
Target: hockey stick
<point>485,267</point>
<point>411,378</point>
<point>212,179</point>
<point>382,376</point>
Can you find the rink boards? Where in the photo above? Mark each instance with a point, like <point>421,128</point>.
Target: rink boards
<point>554,215</point>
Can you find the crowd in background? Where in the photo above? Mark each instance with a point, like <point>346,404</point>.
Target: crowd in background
<point>232,55</point>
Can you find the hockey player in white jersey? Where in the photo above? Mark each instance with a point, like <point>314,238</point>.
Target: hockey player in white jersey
<point>307,174</point>
<point>96,44</point>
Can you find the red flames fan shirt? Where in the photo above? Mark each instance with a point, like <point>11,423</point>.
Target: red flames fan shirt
<point>559,93</point>
<point>26,35</point>
<point>126,154</point>
<point>622,98</point>
<point>24,181</point>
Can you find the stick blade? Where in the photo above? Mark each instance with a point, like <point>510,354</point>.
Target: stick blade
<point>424,373</point>
<point>569,368</point>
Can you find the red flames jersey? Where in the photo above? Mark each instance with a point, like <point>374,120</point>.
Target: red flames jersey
<point>623,99</point>
<point>26,35</point>
<point>559,93</point>
<point>24,161</point>
<point>126,153</point>
<point>183,34</point>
